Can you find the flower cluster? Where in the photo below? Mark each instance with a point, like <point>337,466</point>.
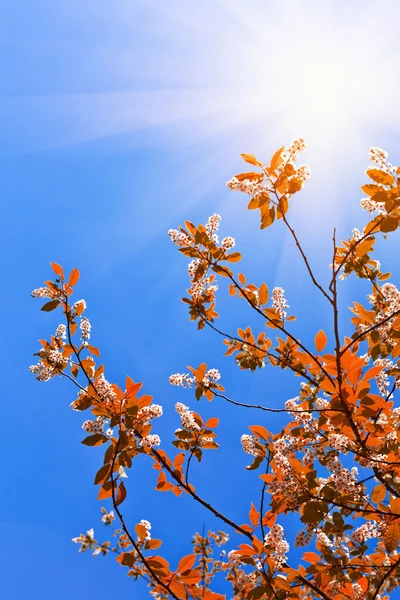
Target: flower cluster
<point>187,417</point>
<point>52,362</point>
<point>86,540</point>
<point>95,426</point>
<point>279,302</point>
<point>149,441</point>
<point>379,157</point>
<point>61,332</point>
<point>44,292</point>
<point>251,187</point>
<point>275,539</point>
<point>228,243</point>
<point>85,329</point>
<point>107,518</point>
<point>368,530</point>
<point>184,379</point>
<point>105,389</point>
<point>292,152</point>
<point>148,413</point>
<point>249,444</point>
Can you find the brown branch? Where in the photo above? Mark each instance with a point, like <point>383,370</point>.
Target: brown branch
<point>297,242</point>
<point>367,331</point>
<point>266,353</point>
<point>276,410</point>
<point>142,558</point>
<point>387,574</point>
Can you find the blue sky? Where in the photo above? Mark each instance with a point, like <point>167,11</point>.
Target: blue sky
<point>118,121</point>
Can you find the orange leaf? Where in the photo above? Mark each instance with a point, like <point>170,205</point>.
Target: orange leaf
<point>311,557</point>
<point>233,257</point>
<point>141,531</point>
<point>213,422</point>
<point>190,577</point>
<point>58,270</point>
<point>74,277</point>
<point>121,494</point>
<point>263,294</point>
<point>200,372</point>
<point>378,493</point>
<point>392,536</point>
<point>254,515</point>
<point>320,340</point>
<point>105,491</point>
<point>260,431</point>
<point>153,544</point>
<point>186,563</point>
<point>249,158</point>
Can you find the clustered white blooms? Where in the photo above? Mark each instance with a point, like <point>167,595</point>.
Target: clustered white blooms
<point>382,379</point>
<point>184,379</point>
<point>212,227</point>
<point>44,292</point>
<point>303,418</point>
<point>279,301</point>
<point>228,243</point>
<point>61,332</point>
<point>95,426</point>
<point>368,530</point>
<point>379,158</point>
<point>147,413</point>
<point>202,284</point>
<point>51,363</point>
<point>149,441</point>
<point>107,518</point>
<point>387,303</point>
<point>85,329</point>
<point>303,173</point>
<point>275,539</point>
<point>323,539</point>
<point>249,444</point>
<point>187,418</point>
<point>251,187</point>
<point>105,389</point>
<point>256,186</point>
<point>345,481</point>
<point>86,541</point>
<point>292,152</point>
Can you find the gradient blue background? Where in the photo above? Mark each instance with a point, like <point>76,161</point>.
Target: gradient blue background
<point>118,121</point>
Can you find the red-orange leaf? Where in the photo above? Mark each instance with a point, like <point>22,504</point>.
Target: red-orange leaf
<point>121,494</point>
<point>213,422</point>
<point>74,277</point>
<point>249,158</point>
<point>260,431</point>
<point>392,536</point>
<point>58,270</point>
<point>186,563</point>
<point>378,493</point>
<point>320,340</point>
<point>311,557</point>
<point>254,515</point>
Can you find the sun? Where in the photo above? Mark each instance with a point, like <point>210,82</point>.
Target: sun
<point>267,72</point>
